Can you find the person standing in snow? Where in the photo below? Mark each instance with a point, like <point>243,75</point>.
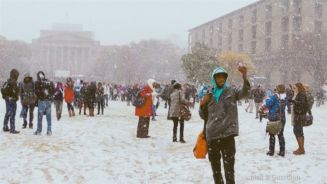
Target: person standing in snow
<point>44,90</point>
<point>106,93</point>
<point>84,93</point>
<point>222,122</point>
<point>28,99</point>
<point>69,96</point>
<point>290,95</point>
<point>258,95</point>
<point>58,99</point>
<point>300,108</point>
<point>276,105</point>
<point>91,97</point>
<point>145,112</point>
<point>10,93</point>
<point>100,98</point>
<point>177,97</point>
<point>249,108</point>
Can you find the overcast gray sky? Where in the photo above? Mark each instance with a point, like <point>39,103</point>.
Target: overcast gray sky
<point>112,21</point>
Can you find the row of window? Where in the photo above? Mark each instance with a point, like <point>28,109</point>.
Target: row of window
<point>285,22</point>
<point>268,44</point>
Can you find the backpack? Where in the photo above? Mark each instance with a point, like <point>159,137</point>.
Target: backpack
<point>139,101</point>
<point>5,90</point>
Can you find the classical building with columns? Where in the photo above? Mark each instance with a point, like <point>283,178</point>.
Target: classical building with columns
<point>66,47</point>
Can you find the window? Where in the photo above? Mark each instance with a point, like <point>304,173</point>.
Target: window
<point>295,38</point>
<point>285,24</point>
<point>318,26</point>
<point>297,23</point>
<point>240,47</point>
<point>240,35</point>
<point>196,36</point>
<point>220,27</point>
<point>285,5</point>
<point>254,32</point>
<point>203,35</point>
<point>268,12</point>
<point>297,4</point>
<point>318,10</point>
<point>253,47</point>
<point>254,16</point>
<point>268,45</point>
<point>230,38</point>
<point>211,30</point>
<point>268,28</point>
<point>220,40</point>
<point>230,23</point>
<point>284,42</point>
<point>241,20</point>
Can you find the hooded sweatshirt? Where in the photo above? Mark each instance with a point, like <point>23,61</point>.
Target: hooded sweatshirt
<point>44,89</point>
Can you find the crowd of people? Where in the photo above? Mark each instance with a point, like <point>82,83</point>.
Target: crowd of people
<point>218,107</point>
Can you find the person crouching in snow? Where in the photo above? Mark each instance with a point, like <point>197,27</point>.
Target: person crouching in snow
<point>69,96</point>
<point>145,112</point>
<point>222,122</point>
<point>276,105</point>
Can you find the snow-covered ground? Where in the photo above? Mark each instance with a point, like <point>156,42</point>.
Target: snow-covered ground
<point>104,150</point>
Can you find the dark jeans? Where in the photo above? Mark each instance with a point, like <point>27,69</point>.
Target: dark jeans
<point>101,104</point>
<point>181,128</point>
<point>58,105</point>
<point>24,113</point>
<point>222,148</point>
<point>11,107</point>
<point>70,107</point>
<point>281,140</point>
<point>143,127</point>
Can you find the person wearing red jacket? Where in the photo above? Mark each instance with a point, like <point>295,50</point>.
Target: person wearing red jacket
<point>69,96</point>
<point>145,112</point>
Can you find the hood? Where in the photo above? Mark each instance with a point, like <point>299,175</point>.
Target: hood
<point>150,83</point>
<point>218,91</point>
<point>59,85</point>
<point>14,74</point>
<point>27,78</point>
<point>216,71</point>
<point>78,83</point>
<point>40,76</point>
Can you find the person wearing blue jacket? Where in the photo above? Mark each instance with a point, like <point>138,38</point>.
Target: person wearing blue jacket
<point>276,105</point>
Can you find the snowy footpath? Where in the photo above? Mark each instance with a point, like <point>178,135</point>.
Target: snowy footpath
<point>104,149</point>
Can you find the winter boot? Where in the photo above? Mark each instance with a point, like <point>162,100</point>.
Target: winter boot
<point>30,125</point>
<point>14,132</point>
<point>5,129</point>
<point>69,113</point>
<point>24,124</point>
<point>91,112</point>
<point>49,133</point>
<point>301,150</point>
<point>73,113</point>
